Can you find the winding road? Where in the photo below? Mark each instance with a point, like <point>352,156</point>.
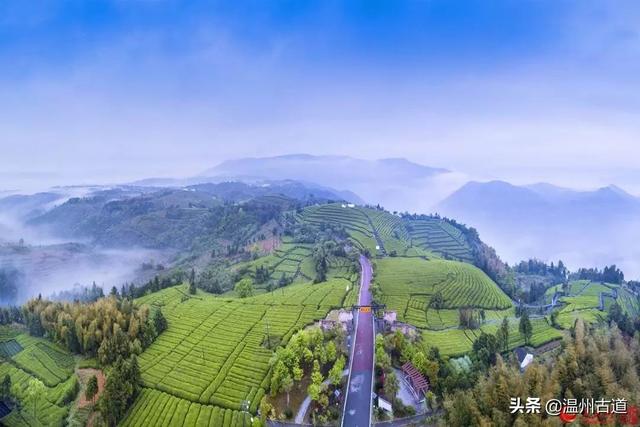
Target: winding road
<point>357,405</point>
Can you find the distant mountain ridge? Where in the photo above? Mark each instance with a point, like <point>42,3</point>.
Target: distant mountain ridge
<point>595,227</point>
<point>503,195</point>
<point>395,183</point>
<point>320,169</point>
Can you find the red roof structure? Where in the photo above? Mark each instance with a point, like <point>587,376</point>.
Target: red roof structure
<point>418,382</point>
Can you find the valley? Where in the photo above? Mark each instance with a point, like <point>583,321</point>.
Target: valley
<point>267,274</point>
<point>319,213</point>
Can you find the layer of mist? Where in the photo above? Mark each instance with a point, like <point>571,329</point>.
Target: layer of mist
<point>582,228</point>
<point>39,263</point>
<point>50,269</point>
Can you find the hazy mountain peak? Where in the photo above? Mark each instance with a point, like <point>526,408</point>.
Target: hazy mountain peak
<point>382,181</point>
<point>408,165</point>
<point>291,160</point>
<point>614,189</point>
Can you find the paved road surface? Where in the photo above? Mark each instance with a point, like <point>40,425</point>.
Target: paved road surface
<point>357,407</point>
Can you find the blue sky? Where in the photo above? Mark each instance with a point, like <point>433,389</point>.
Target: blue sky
<point>527,91</point>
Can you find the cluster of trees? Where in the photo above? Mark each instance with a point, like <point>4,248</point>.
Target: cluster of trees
<point>131,291</point>
<point>307,233</point>
<point>5,387</point>
<point>592,364</point>
<point>487,346</point>
<point>262,274</point>
<point>386,382</point>
<point>10,280</point>
<point>610,274</point>
<point>397,349</point>
<point>215,279</point>
<point>322,252</point>
<point>534,266</point>
<point>625,323</point>
<point>10,315</point>
<point>534,277</point>
<point>470,318</point>
<point>82,293</point>
<point>317,354</point>
<point>108,328</point>
<point>437,301</point>
<point>244,287</point>
<point>532,289</point>
<point>120,389</point>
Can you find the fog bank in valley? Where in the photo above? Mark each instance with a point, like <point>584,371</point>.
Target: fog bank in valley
<point>40,264</point>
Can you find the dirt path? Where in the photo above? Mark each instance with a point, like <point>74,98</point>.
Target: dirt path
<point>84,375</point>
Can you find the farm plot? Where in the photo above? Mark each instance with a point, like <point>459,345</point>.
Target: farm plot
<point>595,289</point>
<point>439,236</point>
<point>407,285</point>
<point>452,342</point>
<point>353,219</point>
<point>215,350</point>
<point>39,357</point>
<point>342,268</point>
<point>390,229</point>
<point>447,318</point>
<point>455,342</point>
<point>44,360</point>
<point>7,332</point>
<point>567,318</point>
<point>582,301</point>
<point>156,408</point>
<point>628,302</point>
<point>543,332</point>
<point>290,260</point>
<point>10,348</point>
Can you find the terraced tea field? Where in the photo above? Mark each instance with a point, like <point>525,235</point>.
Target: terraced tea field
<point>214,353</point>
<point>456,342</point>
<point>368,228</point>
<point>353,219</point>
<point>390,230</point>
<point>440,237</point>
<point>409,283</point>
<point>39,357</point>
<point>628,302</point>
<point>156,408</point>
<point>35,357</point>
<point>291,260</point>
<point>447,318</point>
<point>583,301</point>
